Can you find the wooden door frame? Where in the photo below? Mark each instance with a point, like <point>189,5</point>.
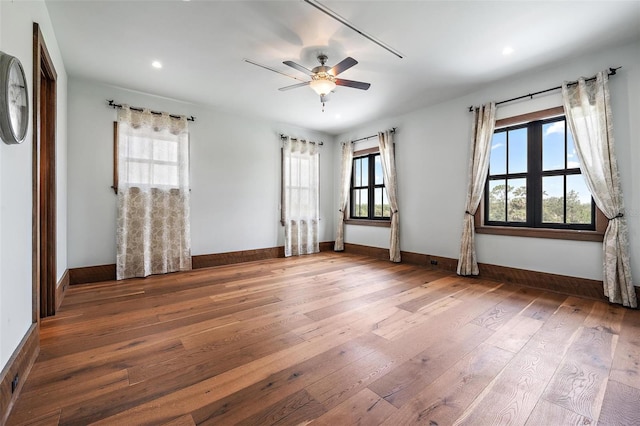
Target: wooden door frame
<point>44,274</point>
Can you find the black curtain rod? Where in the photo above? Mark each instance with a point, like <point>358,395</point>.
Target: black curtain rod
<point>393,130</point>
<point>295,139</point>
<point>115,105</point>
<point>612,71</point>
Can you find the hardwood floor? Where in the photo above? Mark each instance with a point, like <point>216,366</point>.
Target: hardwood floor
<point>331,339</point>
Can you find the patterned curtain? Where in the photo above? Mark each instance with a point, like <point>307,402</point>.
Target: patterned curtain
<point>153,228</point>
<point>588,112</point>
<point>301,190</point>
<point>482,132</point>
<point>388,160</point>
<point>345,184</point>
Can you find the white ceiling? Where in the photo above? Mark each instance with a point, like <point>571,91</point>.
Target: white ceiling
<point>450,48</point>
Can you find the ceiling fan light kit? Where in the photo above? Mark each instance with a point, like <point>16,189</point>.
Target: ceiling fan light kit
<point>323,78</point>
<point>323,84</point>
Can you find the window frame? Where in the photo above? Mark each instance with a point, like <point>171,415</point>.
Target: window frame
<point>116,154</point>
<point>542,230</point>
<point>370,220</point>
<point>284,187</point>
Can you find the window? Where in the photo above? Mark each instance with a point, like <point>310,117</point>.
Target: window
<point>300,196</point>
<point>535,182</point>
<point>369,199</point>
<point>150,160</point>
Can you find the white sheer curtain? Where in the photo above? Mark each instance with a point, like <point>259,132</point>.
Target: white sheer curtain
<point>153,228</point>
<point>300,188</point>
<point>588,112</point>
<point>345,185</point>
<point>484,121</point>
<point>388,160</point>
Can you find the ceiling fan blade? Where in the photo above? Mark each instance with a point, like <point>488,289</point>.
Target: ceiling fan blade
<point>342,66</point>
<point>294,86</point>
<point>298,67</point>
<point>355,84</point>
<point>272,69</point>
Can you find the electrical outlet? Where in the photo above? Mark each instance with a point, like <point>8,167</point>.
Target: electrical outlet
<point>434,262</point>
<point>14,383</point>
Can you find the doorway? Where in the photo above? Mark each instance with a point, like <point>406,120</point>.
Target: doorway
<point>44,179</point>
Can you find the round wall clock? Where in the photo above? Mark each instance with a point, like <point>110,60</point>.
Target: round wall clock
<point>14,100</point>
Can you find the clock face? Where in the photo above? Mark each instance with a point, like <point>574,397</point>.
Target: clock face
<point>17,98</point>
<point>14,100</point>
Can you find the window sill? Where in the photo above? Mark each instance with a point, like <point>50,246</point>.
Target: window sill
<point>369,222</point>
<point>558,234</point>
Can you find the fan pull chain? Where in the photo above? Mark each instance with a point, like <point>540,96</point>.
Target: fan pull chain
<point>322,106</point>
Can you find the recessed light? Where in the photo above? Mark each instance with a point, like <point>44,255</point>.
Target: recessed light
<point>507,50</point>
<point>156,64</point>
<point>338,116</point>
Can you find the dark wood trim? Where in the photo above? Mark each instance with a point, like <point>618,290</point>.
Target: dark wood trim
<point>574,286</point>
<point>563,284</point>
<point>218,259</point>
<point>44,179</point>
<point>368,222</point>
<point>375,252</point>
<point>530,116</point>
<point>35,181</point>
<point>19,364</point>
<point>61,288</point>
<point>558,234</point>
<point>364,152</point>
<point>92,274</point>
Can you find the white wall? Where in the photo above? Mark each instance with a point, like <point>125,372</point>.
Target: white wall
<point>16,35</point>
<point>432,148</point>
<point>235,176</point>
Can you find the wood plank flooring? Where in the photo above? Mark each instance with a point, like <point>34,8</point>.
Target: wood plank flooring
<point>331,339</point>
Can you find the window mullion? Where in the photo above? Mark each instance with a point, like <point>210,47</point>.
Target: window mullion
<point>534,180</point>
<point>506,179</point>
<point>372,207</point>
<point>564,199</point>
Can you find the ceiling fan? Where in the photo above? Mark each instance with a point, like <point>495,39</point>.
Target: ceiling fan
<point>323,78</point>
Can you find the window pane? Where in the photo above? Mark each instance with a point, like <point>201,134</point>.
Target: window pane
<point>578,200</point>
<point>139,173</point>
<point>378,202</point>
<point>165,175</point>
<point>294,171</point>
<point>378,171</point>
<point>365,171</point>
<point>164,150</point>
<point>498,156</point>
<point>553,146</point>
<point>497,200</point>
<point>304,172</point>
<point>553,199</point>
<point>518,151</point>
<point>386,207</point>
<point>361,205</point>
<point>353,199</point>
<point>139,148</point>
<point>304,205</point>
<point>516,200</point>
<point>572,157</point>
<point>357,166</point>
